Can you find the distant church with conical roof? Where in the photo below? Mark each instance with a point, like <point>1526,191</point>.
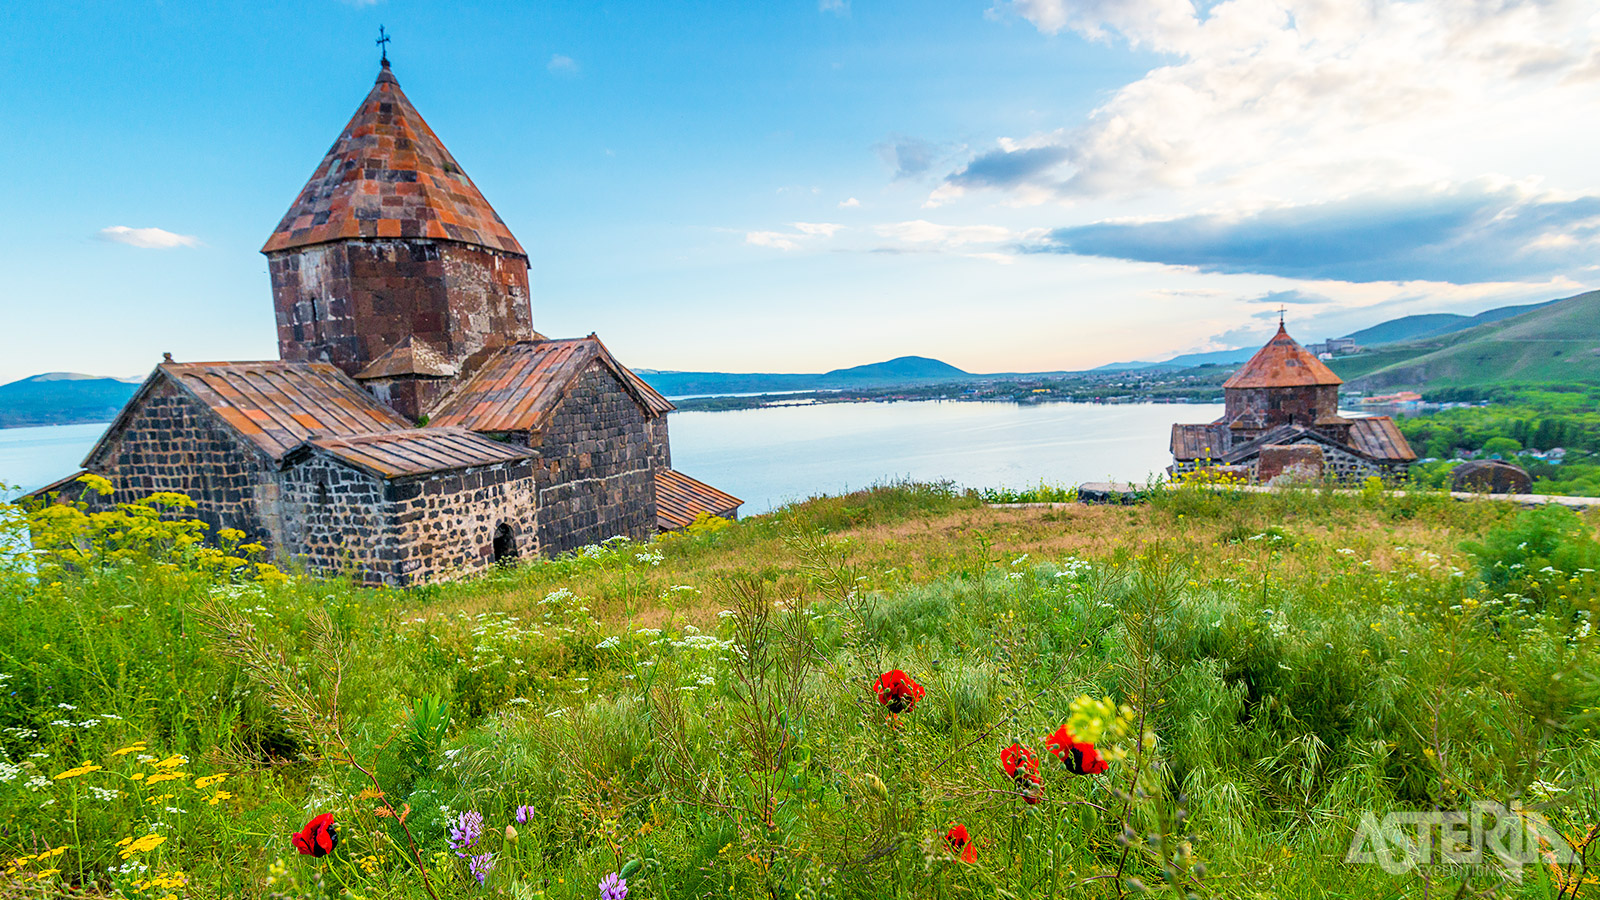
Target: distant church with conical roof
<point>416,426</point>
<point>1281,415</point>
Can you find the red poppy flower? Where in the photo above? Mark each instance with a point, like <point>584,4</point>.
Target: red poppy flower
<point>1080,757</point>
<point>318,838</point>
<point>1022,767</point>
<point>1017,758</point>
<point>897,691</point>
<point>958,842</point>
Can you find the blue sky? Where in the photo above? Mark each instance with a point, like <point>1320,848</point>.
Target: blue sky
<point>1008,185</point>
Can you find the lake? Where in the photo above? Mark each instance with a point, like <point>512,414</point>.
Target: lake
<point>772,456</point>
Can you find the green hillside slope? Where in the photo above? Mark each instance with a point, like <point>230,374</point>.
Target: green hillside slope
<point>1558,342</point>
<point>61,398</point>
<point>1434,325</point>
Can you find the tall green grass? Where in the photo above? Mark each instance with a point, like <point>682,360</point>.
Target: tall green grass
<point>698,712</point>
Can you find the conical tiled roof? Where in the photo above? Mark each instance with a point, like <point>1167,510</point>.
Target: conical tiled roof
<point>1282,363</point>
<point>388,176</point>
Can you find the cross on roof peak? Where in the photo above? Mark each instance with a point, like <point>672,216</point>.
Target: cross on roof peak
<point>383,46</point>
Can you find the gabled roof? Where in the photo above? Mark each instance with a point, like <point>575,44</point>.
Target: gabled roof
<point>274,405</point>
<point>1380,438</point>
<point>418,451</point>
<point>411,356</point>
<point>519,387</point>
<point>1282,363</point>
<point>1375,438</point>
<point>1197,442</point>
<point>389,176</point>
<point>680,498</point>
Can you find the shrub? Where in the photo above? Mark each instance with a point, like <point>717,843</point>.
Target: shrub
<point>1537,553</point>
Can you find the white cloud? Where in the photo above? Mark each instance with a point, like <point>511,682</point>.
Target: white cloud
<point>804,232</point>
<point>562,65</point>
<point>1268,100</point>
<point>837,7</point>
<point>774,239</point>
<point>148,238</point>
<point>922,231</point>
<point>821,229</point>
<point>850,203</point>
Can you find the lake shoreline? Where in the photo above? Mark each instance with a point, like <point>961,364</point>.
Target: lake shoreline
<point>778,454</point>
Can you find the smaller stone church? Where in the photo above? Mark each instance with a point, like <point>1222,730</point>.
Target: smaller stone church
<point>415,426</point>
<point>1281,416</point>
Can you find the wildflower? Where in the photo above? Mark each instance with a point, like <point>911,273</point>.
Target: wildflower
<point>84,769</point>
<point>897,691</point>
<point>511,834</point>
<point>172,762</point>
<point>524,813</point>
<point>131,847</point>
<point>1022,766</point>
<point>480,866</point>
<point>960,845</point>
<point>1080,757</point>
<point>466,831</point>
<point>208,781</point>
<point>218,797</point>
<point>318,838</point>
<point>613,887</point>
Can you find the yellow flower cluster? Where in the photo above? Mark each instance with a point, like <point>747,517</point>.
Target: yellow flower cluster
<point>135,747</point>
<point>168,881</point>
<point>131,846</point>
<point>84,769</point>
<point>19,863</point>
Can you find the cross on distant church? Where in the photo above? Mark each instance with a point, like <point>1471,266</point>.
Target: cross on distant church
<point>1281,310</point>
<point>383,45</point>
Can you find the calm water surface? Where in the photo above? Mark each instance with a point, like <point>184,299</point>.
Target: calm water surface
<point>771,456</point>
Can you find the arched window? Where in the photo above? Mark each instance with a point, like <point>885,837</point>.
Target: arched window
<point>505,543</point>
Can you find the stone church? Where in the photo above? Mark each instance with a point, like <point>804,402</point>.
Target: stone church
<point>1281,412</point>
<point>416,426</point>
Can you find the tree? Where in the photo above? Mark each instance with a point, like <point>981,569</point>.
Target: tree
<point>1501,446</point>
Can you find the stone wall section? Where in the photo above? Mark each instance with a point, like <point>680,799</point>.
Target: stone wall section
<point>1278,406</point>
<point>597,466</point>
<point>346,302</point>
<point>660,444</point>
<point>407,531</point>
<point>169,443</point>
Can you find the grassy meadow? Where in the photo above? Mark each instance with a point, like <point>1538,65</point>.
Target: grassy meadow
<point>697,715</point>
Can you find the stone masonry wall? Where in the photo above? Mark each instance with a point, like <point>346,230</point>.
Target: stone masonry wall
<point>410,531</point>
<point>597,466</point>
<point>660,444</point>
<point>169,444</point>
<point>346,302</point>
<point>1299,405</point>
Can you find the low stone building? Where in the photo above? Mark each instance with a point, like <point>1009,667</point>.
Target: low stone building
<point>415,426</point>
<point>1281,415</point>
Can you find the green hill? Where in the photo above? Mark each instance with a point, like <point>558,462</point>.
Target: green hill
<point>904,370</point>
<point>1553,342</point>
<point>62,398</point>
<point>1432,325</point>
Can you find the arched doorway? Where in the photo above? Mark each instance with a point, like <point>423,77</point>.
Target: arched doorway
<point>505,543</point>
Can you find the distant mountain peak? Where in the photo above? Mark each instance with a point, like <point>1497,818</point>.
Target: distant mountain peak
<point>63,376</point>
<point>900,367</point>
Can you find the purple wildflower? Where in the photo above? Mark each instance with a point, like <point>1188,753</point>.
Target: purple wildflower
<point>524,813</point>
<point>467,830</point>
<point>480,866</point>
<point>613,887</point>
